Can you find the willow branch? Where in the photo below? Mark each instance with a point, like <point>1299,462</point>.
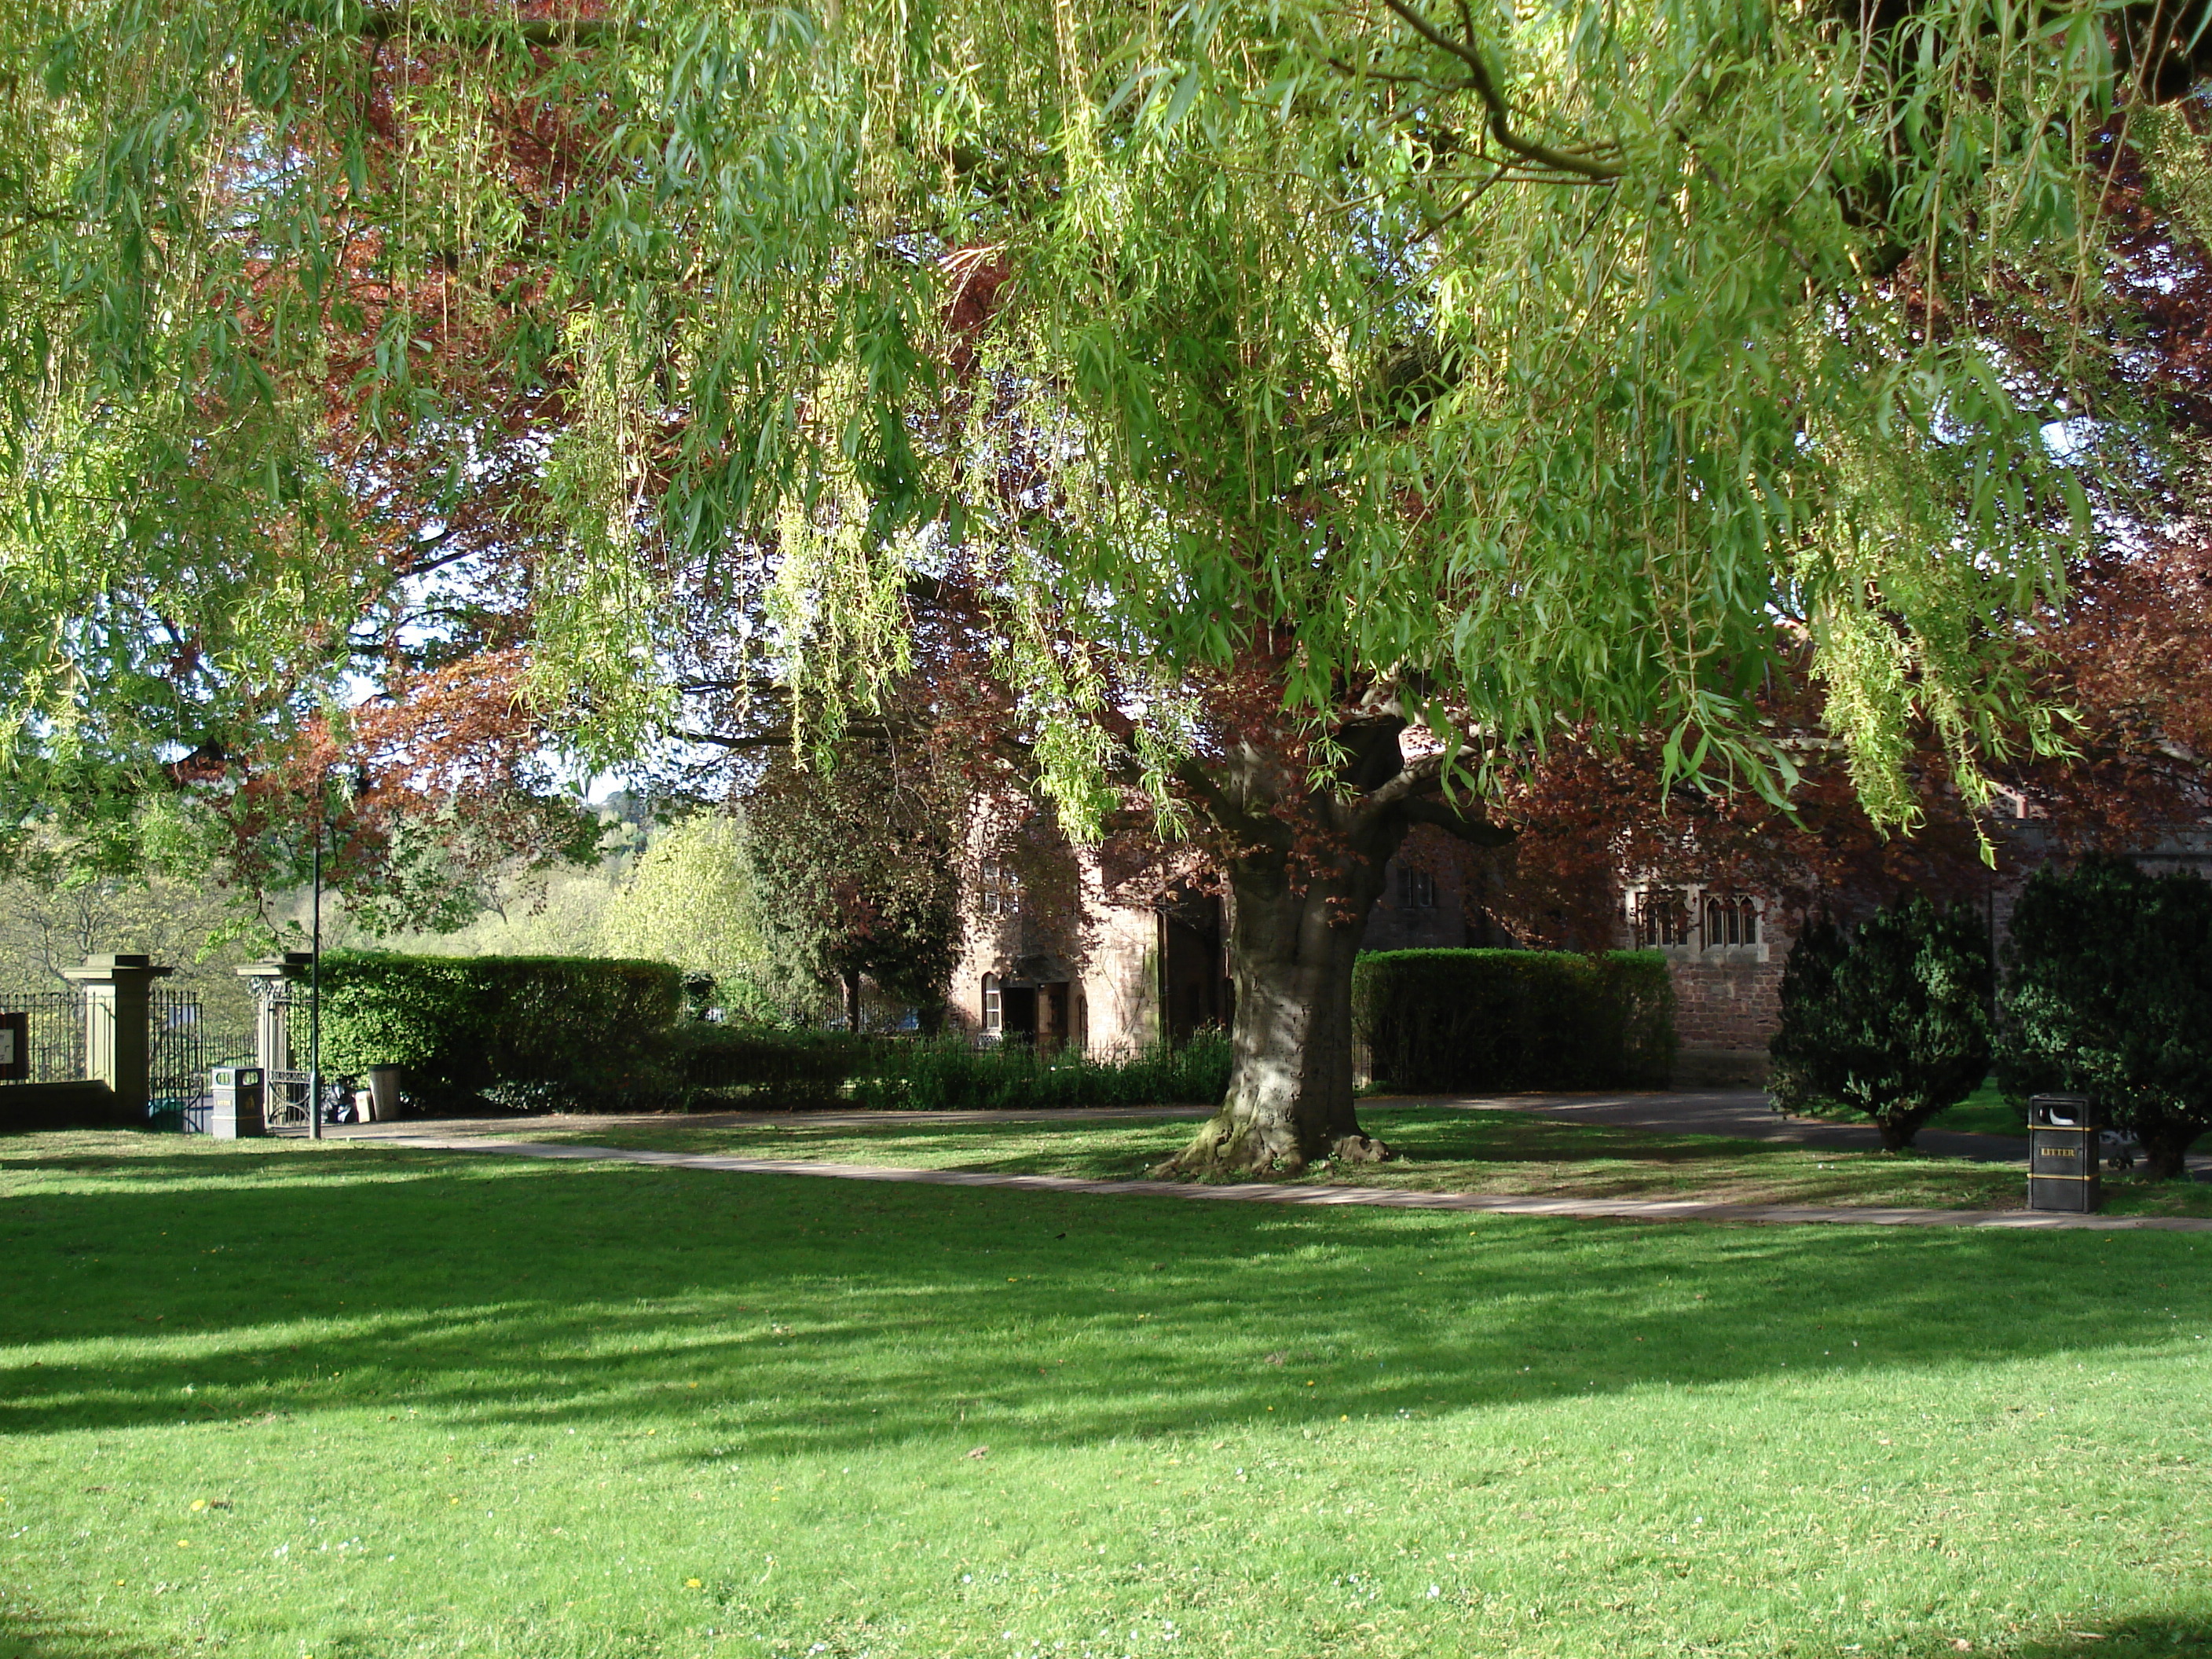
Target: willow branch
<point>1480,82</point>
<point>385,23</point>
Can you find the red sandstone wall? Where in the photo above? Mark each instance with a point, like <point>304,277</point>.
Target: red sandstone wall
<point>1727,998</point>
<point>1725,1004</point>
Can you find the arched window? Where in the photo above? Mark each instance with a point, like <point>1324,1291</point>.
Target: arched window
<point>994,1018</point>
<point>1730,921</point>
<point>1659,915</point>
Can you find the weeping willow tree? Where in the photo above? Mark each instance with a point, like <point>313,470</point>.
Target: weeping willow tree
<point>1311,405</point>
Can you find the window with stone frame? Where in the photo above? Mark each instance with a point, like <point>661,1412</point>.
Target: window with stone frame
<point>1730,919</point>
<point>994,1008</point>
<point>1417,889</point>
<point>1659,916</point>
<point>1002,890</point>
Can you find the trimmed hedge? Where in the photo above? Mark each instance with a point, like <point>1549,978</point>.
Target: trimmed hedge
<point>528,1033</point>
<point>1456,1022</point>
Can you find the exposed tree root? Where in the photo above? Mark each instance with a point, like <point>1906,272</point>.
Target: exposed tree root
<point>1359,1149</point>
<point>1226,1151</point>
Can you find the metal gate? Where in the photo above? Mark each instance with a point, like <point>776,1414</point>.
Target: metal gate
<point>280,1011</point>
<point>184,1049</point>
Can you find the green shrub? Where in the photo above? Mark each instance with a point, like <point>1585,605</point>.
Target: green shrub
<point>1455,1022</point>
<point>528,1033</point>
<point>1891,1019</point>
<point>2108,992</point>
<point>774,1066</point>
<point>748,1065</point>
<point>949,1074</point>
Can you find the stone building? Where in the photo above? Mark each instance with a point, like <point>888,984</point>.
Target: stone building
<point>1725,951</point>
<point>1726,948</point>
<point>1070,967</point>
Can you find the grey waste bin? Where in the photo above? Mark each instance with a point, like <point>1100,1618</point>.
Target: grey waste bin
<point>234,1108</point>
<point>384,1093</point>
<point>2062,1170</point>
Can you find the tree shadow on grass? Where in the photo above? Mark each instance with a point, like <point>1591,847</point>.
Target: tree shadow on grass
<point>1440,1150</point>
<point>2140,1637</point>
<point>28,1633</point>
<point>805,1315</point>
<point>1121,1150</point>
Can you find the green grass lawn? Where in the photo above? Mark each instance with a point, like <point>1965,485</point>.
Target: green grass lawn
<point>1984,1112</point>
<point>279,1401</point>
<point>1445,1150</point>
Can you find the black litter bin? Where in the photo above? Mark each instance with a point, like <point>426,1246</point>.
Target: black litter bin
<point>2061,1154</point>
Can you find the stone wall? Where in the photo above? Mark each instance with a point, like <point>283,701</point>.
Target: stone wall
<point>1395,924</point>
<point>1726,1004</point>
<point>1726,1000</point>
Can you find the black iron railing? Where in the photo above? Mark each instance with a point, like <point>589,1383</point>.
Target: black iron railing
<point>53,1035</point>
<point>185,1049</point>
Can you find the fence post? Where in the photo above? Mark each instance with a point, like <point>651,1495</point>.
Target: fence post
<point>119,1044</point>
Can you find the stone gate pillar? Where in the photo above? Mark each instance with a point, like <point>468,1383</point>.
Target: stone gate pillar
<point>272,1025</point>
<point>119,1040</point>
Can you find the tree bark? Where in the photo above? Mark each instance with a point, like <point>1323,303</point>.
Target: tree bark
<point>1897,1129</point>
<point>1307,865</point>
<point>2165,1142</point>
<point>1293,943</point>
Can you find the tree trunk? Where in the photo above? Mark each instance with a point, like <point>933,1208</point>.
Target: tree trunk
<point>852,977</point>
<point>1897,1129</point>
<point>2166,1143</point>
<point>1290,1099</point>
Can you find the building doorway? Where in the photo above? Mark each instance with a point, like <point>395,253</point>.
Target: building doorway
<point>1195,991</point>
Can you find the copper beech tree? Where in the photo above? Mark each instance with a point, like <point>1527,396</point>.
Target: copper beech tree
<point>1315,409</point>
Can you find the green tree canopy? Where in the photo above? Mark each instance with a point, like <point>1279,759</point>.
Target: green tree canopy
<point>1891,1018</point>
<point>2108,979</point>
<point>1537,361</point>
<point>692,902</point>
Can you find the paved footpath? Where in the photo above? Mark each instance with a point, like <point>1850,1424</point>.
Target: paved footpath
<point>1260,1192</point>
<point>1739,1115</point>
<point>1747,1114</point>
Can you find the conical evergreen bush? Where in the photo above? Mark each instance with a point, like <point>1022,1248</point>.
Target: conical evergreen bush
<point>2108,992</point>
<point>1891,1018</point>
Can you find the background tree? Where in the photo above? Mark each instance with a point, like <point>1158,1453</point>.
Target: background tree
<point>692,901</point>
<point>54,913</point>
<point>855,873</point>
<point>1890,1017</point>
<point>2108,976</point>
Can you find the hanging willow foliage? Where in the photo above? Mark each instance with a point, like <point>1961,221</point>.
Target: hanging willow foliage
<point>1539,360</point>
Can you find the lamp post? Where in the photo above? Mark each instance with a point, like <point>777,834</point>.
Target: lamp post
<point>315,971</point>
<point>361,782</point>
